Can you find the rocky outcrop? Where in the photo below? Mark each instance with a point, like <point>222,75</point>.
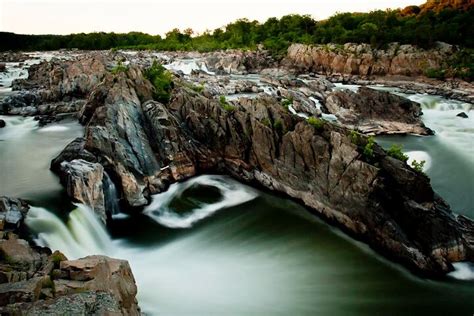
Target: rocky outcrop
<point>56,86</point>
<point>372,196</point>
<point>34,281</point>
<point>371,111</point>
<point>362,60</point>
<point>83,182</point>
<point>238,62</point>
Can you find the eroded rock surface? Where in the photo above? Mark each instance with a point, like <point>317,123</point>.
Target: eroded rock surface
<point>376,112</point>
<point>362,60</point>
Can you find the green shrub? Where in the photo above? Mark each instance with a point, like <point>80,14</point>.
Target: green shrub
<point>286,103</point>
<point>195,88</point>
<point>120,67</point>
<point>225,105</point>
<point>316,122</point>
<point>162,80</point>
<point>369,148</point>
<point>435,73</point>
<point>355,137</point>
<point>395,151</point>
<point>418,166</point>
<point>278,126</point>
<point>266,122</point>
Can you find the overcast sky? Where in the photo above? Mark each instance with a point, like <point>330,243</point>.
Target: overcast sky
<point>159,16</point>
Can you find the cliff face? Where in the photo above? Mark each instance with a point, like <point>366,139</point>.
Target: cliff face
<point>148,145</point>
<point>362,60</point>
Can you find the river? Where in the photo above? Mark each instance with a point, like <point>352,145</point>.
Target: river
<point>212,246</point>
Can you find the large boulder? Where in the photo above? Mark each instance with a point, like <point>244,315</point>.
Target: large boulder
<point>376,112</point>
<point>84,183</point>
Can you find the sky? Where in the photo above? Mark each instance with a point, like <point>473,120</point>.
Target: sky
<point>160,16</point>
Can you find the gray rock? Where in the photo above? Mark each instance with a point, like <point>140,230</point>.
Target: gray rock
<point>83,181</point>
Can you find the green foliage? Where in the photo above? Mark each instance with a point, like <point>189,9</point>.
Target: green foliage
<point>48,283</point>
<point>418,166</point>
<point>120,67</point>
<point>265,121</point>
<point>196,88</point>
<point>355,138</point>
<point>225,105</point>
<point>435,73</point>
<point>316,122</point>
<point>396,152</point>
<point>278,126</point>
<point>286,103</point>
<point>162,80</point>
<point>368,151</point>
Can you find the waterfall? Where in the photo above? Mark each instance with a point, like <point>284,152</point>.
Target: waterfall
<point>83,235</point>
<point>111,197</point>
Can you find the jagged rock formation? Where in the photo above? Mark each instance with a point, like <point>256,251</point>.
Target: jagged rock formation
<point>376,112</point>
<point>56,86</point>
<point>148,145</point>
<point>34,281</point>
<point>362,60</point>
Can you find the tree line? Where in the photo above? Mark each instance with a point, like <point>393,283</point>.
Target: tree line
<point>408,26</point>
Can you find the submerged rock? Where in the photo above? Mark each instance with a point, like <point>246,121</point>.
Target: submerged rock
<point>2,124</point>
<point>462,115</point>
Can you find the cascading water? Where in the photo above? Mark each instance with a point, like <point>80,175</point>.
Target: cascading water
<point>187,66</point>
<point>112,198</point>
<point>81,236</point>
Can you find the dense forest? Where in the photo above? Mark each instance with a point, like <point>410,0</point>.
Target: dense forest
<point>421,25</point>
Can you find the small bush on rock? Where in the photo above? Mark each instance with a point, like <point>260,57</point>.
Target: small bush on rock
<point>162,80</point>
<point>225,105</point>
<point>418,166</point>
<point>396,152</point>
<point>316,122</point>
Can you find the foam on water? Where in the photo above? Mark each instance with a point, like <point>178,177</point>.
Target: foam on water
<point>53,128</point>
<point>187,66</point>
<point>463,271</point>
<point>16,126</point>
<point>341,86</point>
<point>232,194</point>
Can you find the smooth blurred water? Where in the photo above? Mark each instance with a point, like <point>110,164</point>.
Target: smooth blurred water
<point>449,154</point>
<point>26,151</point>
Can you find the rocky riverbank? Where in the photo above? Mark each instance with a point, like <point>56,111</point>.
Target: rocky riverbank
<point>327,167</point>
<point>35,281</point>
<point>261,137</point>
